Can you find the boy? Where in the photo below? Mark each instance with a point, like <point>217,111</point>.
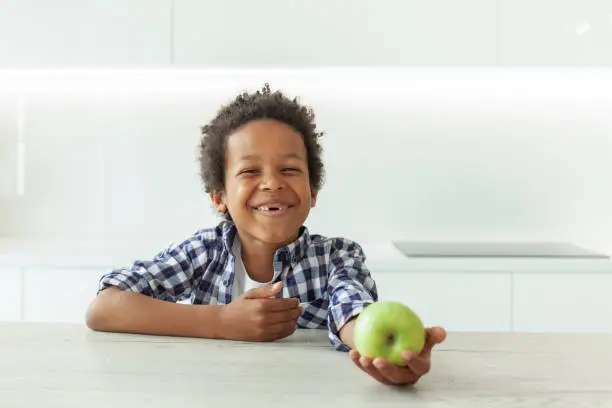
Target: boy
<point>259,274</point>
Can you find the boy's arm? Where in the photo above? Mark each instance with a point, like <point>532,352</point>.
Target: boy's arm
<point>140,298</point>
<point>351,289</point>
<point>118,310</point>
<point>171,275</point>
<point>254,316</point>
<point>346,333</point>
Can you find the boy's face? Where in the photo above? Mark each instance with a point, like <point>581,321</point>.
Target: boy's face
<point>267,185</point>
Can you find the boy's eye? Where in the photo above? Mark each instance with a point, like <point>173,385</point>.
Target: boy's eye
<point>248,171</point>
<point>291,169</point>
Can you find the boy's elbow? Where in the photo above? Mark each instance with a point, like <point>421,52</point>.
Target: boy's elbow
<point>96,317</point>
<point>93,318</point>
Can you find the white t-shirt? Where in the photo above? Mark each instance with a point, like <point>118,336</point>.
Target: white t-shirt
<point>242,280</point>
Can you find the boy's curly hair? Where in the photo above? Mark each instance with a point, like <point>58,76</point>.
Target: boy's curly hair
<point>263,104</point>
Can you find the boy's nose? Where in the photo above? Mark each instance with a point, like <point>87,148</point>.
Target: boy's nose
<point>271,183</point>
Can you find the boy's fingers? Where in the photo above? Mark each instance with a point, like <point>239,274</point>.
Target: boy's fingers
<point>263,292</point>
<point>365,364</point>
<point>434,335</point>
<point>419,365</point>
<point>415,365</point>
<point>281,330</point>
<point>393,373</point>
<point>280,304</point>
<point>284,316</point>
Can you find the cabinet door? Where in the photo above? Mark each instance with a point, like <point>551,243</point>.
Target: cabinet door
<point>552,32</point>
<point>59,294</point>
<point>10,301</point>
<point>563,302</point>
<point>73,33</point>
<point>291,33</point>
<point>457,301</point>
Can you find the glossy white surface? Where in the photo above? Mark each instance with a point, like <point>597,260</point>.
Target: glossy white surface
<point>191,33</point>
<point>73,33</point>
<point>281,33</point>
<point>552,32</point>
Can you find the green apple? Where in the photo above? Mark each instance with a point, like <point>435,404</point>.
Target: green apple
<point>386,329</point>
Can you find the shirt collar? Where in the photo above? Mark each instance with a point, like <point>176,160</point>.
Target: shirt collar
<point>290,253</point>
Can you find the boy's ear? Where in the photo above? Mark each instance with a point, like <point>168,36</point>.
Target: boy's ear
<point>313,198</point>
<point>218,200</point>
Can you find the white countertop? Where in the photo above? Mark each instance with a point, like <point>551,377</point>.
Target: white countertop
<point>381,256</point>
<point>61,365</point>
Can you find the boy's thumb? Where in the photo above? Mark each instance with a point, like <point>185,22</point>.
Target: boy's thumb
<point>264,292</point>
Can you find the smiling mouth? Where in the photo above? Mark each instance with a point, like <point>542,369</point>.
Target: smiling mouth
<point>272,209</point>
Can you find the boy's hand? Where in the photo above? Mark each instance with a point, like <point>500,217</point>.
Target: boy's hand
<point>256,316</point>
<point>415,365</point>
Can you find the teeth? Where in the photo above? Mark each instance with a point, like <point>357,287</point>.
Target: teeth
<point>263,208</point>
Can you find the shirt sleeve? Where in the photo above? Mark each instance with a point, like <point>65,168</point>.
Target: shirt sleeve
<point>170,275</point>
<point>351,289</point>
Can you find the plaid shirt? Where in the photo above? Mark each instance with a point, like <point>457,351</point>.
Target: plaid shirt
<point>328,276</point>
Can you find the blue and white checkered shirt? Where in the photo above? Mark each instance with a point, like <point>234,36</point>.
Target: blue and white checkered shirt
<point>328,275</point>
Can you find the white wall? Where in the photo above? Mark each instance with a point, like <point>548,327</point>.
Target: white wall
<point>445,153</point>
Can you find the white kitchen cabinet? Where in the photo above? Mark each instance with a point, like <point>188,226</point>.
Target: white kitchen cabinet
<point>10,300</point>
<point>291,33</point>
<point>553,32</point>
<point>59,294</point>
<point>464,301</point>
<point>74,33</point>
<point>563,302</point>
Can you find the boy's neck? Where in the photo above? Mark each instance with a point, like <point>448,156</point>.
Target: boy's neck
<point>258,258</point>
<point>258,262</point>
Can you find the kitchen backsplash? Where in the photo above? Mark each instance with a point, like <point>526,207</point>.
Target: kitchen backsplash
<point>442,153</point>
